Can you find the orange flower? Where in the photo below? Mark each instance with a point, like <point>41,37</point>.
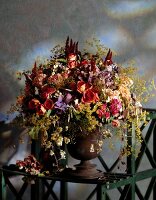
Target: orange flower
<point>115,123</point>
<point>125,92</point>
<point>20,99</point>
<point>82,86</point>
<point>89,96</point>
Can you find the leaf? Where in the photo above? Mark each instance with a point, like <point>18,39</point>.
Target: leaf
<point>151,116</point>
<point>62,60</point>
<point>48,113</point>
<point>33,133</point>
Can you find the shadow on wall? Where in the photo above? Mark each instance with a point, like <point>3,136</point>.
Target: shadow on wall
<point>10,147</point>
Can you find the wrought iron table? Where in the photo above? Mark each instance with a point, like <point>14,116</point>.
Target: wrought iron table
<point>125,183</point>
<point>107,181</point>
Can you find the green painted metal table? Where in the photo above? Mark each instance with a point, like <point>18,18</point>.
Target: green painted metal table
<point>125,183</point>
<point>105,182</point>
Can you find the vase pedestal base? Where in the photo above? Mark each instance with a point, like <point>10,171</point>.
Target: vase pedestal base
<point>85,170</point>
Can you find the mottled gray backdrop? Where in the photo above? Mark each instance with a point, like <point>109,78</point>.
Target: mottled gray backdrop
<point>30,28</point>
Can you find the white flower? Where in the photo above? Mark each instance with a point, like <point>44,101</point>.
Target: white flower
<point>92,148</point>
<point>109,68</point>
<point>76,101</point>
<point>138,104</point>
<point>48,145</point>
<point>63,154</point>
<point>51,153</point>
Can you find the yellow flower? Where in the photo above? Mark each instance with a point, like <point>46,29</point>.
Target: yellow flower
<point>124,79</point>
<point>59,141</point>
<point>66,140</point>
<point>112,93</point>
<point>125,92</point>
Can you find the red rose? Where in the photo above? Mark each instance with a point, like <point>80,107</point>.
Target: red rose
<point>47,91</point>
<point>33,104</point>
<point>82,86</point>
<point>89,96</point>
<point>115,123</point>
<point>48,104</point>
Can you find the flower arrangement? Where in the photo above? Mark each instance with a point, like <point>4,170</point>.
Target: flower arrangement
<point>76,90</point>
<point>29,165</point>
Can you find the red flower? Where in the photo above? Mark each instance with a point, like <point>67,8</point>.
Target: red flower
<point>72,60</point>
<point>84,62</point>
<point>65,75</point>
<point>53,78</point>
<point>33,104</point>
<point>108,59</point>
<point>48,104</point>
<point>82,86</point>
<point>41,110</point>
<point>107,115</point>
<point>115,107</point>
<point>103,107</point>
<point>47,91</point>
<point>89,96</point>
<point>72,86</point>
<point>39,79</point>
<point>115,123</point>
<point>102,111</point>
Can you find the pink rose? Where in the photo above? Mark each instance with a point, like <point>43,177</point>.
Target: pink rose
<point>115,107</point>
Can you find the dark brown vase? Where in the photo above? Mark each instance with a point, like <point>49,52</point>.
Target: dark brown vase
<point>84,148</point>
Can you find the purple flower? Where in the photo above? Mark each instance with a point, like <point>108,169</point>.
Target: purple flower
<point>68,98</point>
<point>60,105</point>
<point>107,77</point>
